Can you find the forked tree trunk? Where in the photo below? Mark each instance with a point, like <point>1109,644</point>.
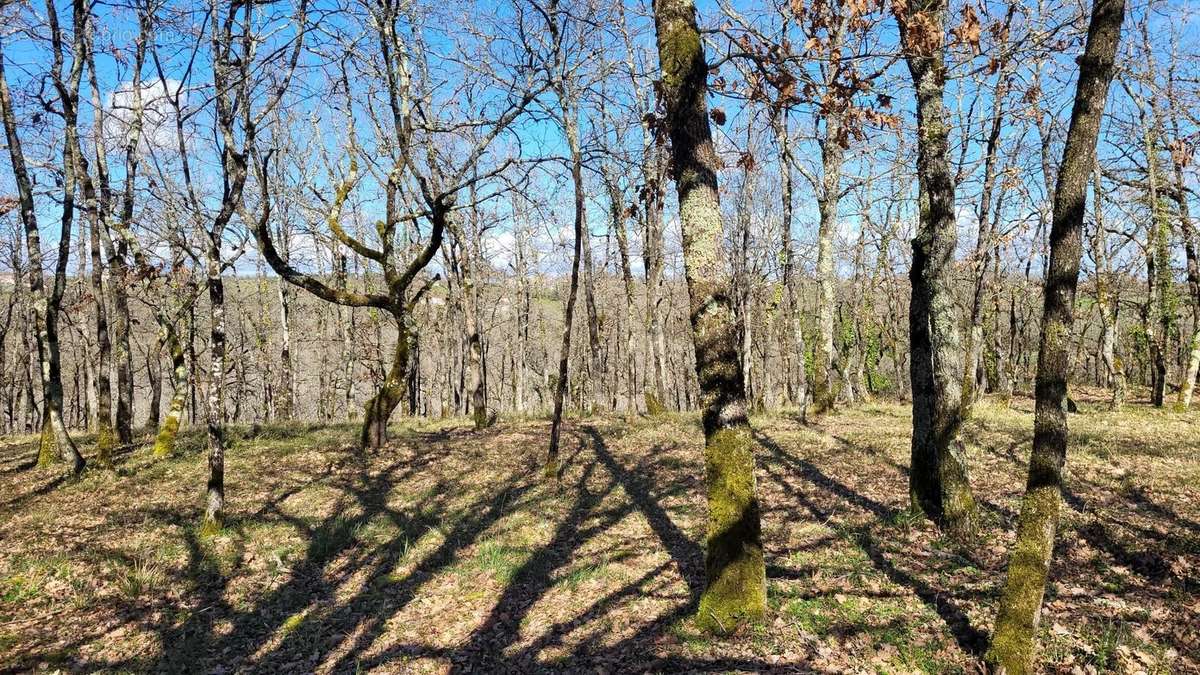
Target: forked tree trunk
<point>1012,648</point>
<point>735,588</point>
<point>938,479</point>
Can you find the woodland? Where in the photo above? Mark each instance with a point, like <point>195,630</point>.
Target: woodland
<point>597,336</point>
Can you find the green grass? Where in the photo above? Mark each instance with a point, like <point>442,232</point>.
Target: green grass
<point>580,575</point>
<point>499,559</point>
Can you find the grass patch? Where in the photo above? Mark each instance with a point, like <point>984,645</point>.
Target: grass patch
<point>497,559</point>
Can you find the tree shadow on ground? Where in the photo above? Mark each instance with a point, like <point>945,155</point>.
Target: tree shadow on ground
<point>337,606</point>
<point>970,638</point>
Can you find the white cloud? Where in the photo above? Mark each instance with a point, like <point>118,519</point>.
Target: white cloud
<point>158,114</point>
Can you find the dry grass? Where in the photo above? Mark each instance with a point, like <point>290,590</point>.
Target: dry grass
<point>446,553</point>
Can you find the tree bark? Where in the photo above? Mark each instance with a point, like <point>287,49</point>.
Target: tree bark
<point>735,588</point>
<point>571,128</point>
<point>938,479</point>
<point>164,444</point>
<point>47,302</point>
<point>215,396</point>
<point>825,358</point>
<point>1012,648</point>
<point>792,346</point>
<point>380,407</point>
<point>105,438</point>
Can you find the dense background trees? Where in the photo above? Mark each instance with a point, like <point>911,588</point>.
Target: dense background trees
<point>816,93</point>
<point>476,201</point>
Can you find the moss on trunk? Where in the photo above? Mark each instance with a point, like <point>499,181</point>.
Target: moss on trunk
<point>736,592</point>
<point>164,444</point>
<point>46,445</point>
<point>379,409</point>
<point>1013,640</point>
<point>735,589</point>
<point>106,442</point>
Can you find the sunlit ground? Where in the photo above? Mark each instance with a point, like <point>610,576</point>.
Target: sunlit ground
<point>446,552</point>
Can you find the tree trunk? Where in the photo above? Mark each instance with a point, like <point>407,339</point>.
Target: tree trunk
<point>983,246</point>
<point>285,409</point>
<point>792,345</point>
<point>825,358</point>
<point>46,302</point>
<point>735,589</point>
<point>1188,234</point>
<point>571,128</point>
<point>122,351</point>
<point>154,373</point>
<point>1106,300</point>
<point>1158,267</point>
<point>616,212</point>
<point>938,479</point>
<point>164,444</point>
<point>105,437</point>
<point>656,396</point>
<point>596,379</point>
<point>379,408</point>
<point>1012,648</point>
<point>524,302</point>
<point>215,399</point>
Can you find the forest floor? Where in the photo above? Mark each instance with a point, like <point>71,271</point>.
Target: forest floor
<point>445,552</point>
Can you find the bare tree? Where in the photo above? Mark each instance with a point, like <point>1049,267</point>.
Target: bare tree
<point>1012,648</point>
<point>938,478</point>
<point>736,579</point>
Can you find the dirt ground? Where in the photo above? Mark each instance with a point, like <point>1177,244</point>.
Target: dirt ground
<point>446,552</point>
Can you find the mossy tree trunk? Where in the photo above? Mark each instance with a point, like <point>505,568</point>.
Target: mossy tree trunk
<point>164,444</point>
<point>938,479</point>
<point>735,588</point>
<point>380,407</point>
<point>1012,649</point>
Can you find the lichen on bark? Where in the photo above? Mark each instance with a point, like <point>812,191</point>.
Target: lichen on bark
<point>735,590</point>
